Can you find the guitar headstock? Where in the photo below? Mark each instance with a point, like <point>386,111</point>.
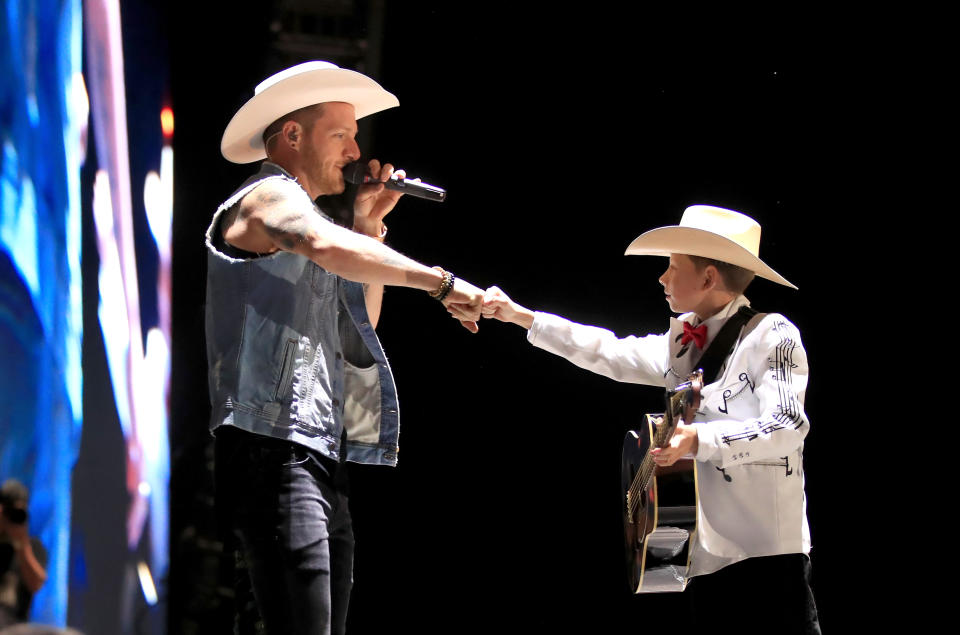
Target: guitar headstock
<point>684,400</point>
<point>695,382</point>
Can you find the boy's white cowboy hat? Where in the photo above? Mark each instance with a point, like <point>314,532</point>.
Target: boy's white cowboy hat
<point>710,232</point>
<point>294,88</point>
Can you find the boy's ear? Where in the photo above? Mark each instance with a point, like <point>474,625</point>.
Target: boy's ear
<point>711,278</point>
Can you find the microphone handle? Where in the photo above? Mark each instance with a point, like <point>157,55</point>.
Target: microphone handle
<point>356,173</point>
<point>416,188</point>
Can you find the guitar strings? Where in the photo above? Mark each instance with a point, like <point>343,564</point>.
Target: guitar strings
<point>641,480</point>
<point>686,394</point>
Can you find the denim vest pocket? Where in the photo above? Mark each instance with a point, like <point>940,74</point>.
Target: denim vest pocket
<point>311,405</point>
<point>286,369</point>
<point>361,394</point>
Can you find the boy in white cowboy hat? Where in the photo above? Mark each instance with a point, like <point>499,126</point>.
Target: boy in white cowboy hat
<point>752,533</point>
<point>298,380</point>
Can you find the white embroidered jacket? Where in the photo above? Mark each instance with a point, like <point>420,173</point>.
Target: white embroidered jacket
<point>750,425</point>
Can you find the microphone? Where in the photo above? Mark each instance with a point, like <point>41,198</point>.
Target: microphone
<point>358,174</point>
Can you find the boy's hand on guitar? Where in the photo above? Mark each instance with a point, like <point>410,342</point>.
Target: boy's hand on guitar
<point>683,442</point>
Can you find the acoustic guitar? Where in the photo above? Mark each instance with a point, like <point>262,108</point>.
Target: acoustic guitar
<point>660,503</point>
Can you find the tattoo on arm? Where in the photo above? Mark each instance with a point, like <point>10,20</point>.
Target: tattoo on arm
<point>285,224</point>
<point>392,261</point>
<point>289,229</point>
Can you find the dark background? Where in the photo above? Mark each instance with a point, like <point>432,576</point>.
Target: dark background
<point>560,136</point>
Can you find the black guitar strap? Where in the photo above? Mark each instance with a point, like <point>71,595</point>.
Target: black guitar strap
<point>720,346</point>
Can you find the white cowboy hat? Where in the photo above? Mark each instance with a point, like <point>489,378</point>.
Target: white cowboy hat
<point>294,88</point>
<point>710,232</point>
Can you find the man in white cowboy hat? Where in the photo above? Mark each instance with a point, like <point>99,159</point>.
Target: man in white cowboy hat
<point>752,535</point>
<point>298,380</point>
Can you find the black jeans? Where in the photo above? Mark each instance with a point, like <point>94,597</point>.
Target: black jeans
<point>757,595</point>
<point>287,508</point>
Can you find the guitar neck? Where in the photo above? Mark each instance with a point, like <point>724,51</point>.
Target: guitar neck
<point>660,436</point>
<point>662,433</point>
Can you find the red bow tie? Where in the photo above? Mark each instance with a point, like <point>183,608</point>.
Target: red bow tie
<point>698,334</point>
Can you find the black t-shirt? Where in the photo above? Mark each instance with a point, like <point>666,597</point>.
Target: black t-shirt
<point>15,597</point>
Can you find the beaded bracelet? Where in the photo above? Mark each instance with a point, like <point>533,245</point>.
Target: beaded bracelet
<point>446,285</point>
<point>449,288</point>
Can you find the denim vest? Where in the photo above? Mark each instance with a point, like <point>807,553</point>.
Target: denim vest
<point>291,351</point>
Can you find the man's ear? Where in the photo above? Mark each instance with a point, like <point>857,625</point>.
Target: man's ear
<point>292,131</point>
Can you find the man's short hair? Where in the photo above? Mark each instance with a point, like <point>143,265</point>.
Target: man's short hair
<point>13,491</point>
<point>735,279</point>
<point>299,115</point>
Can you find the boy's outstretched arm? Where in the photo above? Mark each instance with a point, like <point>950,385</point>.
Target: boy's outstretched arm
<point>630,359</point>
<point>499,306</point>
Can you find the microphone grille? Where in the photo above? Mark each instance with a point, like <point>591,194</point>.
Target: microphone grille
<point>355,173</point>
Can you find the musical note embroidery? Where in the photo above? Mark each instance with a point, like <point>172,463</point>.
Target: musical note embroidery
<point>786,413</point>
<point>785,464</point>
<point>781,367</point>
<point>729,395</point>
